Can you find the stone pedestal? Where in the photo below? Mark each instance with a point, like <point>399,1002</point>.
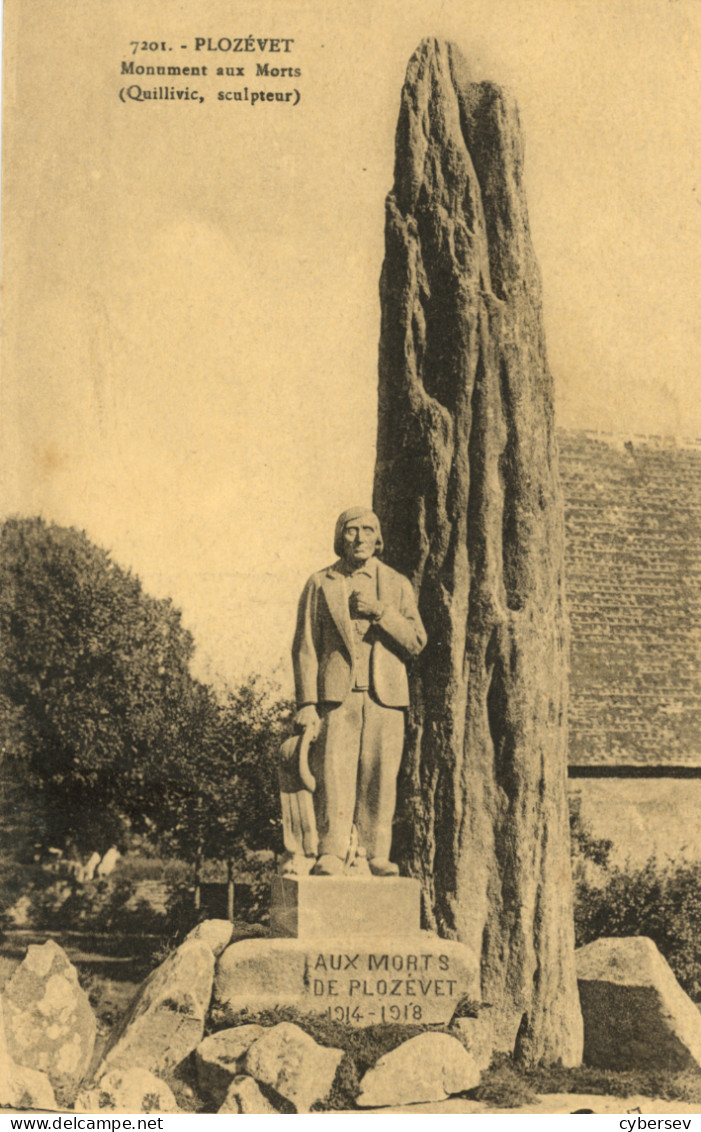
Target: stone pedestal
<point>361,907</point>
<point>350,948</point>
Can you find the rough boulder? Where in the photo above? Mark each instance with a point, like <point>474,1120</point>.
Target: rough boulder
<point>293,1064</point>
<point>429,1067</point>
<point>166,1020</point>
<point>636,1016</point>
<point>217,1058</point>
<point>127,1090</point>
<point>21,1087</point>
<point>49,1022</point>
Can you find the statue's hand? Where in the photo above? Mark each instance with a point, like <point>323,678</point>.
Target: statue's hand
<point>373,610</point>
<point>308,718</point>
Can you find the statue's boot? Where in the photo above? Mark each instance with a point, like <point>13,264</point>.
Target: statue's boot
<point>294,864</point>
<point>382,867</point>
<point>328,866</point>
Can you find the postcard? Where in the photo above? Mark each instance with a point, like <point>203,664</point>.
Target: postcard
<point>269,631</point>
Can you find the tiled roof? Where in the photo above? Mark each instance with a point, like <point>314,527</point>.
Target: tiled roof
<point>633,560</point>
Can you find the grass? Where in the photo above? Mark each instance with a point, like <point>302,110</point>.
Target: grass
<point>507,1085</point>
<point>503,1085</point>
<point>136,868</point>
<point>109,998</point>
<point>659,1083</point>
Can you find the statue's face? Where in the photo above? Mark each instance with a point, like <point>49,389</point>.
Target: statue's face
<point>359,541</point>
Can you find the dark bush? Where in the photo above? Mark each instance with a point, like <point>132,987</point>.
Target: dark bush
<point>661,901</point>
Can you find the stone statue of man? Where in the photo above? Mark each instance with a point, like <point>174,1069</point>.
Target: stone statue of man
<point>357,626</point>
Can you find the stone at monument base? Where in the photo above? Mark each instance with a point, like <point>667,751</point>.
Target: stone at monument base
<point>366,906</point>
<point>413,978</point>
<point>429,1067</point>
<point>636,1015</point>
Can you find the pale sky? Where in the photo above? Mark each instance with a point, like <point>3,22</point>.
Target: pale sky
<point>191,310</point>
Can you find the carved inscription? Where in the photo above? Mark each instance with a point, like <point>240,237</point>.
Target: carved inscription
<point>367,987</point>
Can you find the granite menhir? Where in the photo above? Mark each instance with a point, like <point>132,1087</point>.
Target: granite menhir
<point>466,486</point>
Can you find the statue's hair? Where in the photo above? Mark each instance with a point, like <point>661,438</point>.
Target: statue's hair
<point>347,517</point>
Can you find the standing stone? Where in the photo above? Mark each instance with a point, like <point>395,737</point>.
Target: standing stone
<point>49,1021</point>
<point>467,490</point>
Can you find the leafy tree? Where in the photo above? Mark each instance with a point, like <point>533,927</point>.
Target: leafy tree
<point>182,819</point>
<point>583,844</point>
<point>95,689</point>
<point>222,800</point>
<point>253,723</point>
<point>102,727</point>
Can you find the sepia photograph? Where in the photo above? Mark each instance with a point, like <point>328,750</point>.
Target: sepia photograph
<point>350,560</point>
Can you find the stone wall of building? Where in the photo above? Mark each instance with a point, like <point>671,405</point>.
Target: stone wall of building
<point>633,560</point>
<point>643,818</point>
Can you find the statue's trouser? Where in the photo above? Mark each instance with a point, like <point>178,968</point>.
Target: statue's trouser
<point>355,762</point>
